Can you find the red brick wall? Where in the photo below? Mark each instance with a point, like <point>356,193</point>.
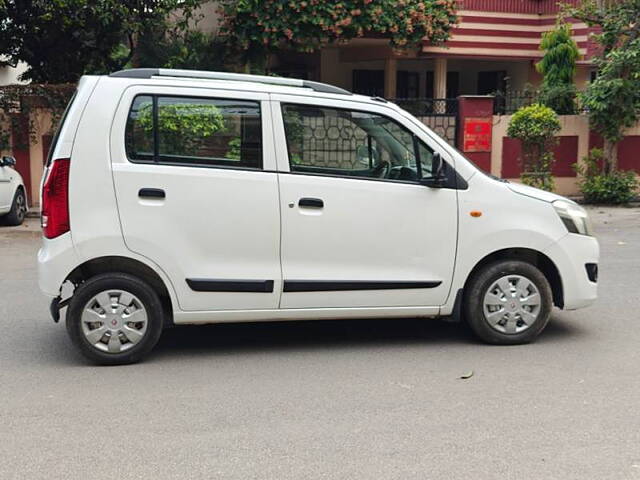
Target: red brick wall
<point>629,153</point>
<point>514,6</point>
<point>565,152</point>
<point>628,150</point>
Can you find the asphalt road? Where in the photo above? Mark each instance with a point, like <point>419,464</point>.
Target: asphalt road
<point>340,399</point>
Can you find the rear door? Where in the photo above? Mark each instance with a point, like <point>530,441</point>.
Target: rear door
<point>196,193</point>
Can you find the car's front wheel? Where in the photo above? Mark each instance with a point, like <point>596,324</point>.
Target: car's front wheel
<point>114,319</point>
<point>508,302</point>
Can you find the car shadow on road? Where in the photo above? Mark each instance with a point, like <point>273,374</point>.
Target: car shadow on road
<point>248,338</point>
<point>303,335</point>
<point>328,334</point>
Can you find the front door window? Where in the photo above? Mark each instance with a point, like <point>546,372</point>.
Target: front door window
<point>331,141</point>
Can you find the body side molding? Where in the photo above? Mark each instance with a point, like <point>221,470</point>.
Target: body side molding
<point>216,285</point>
<point>339,285</point>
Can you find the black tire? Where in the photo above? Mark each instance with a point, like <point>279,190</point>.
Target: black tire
<point>115,281</point>
<point>18,210</point>
<point>483,280</point>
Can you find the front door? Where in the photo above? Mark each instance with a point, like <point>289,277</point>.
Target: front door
<point>193,172</point>
<point>358,230</point>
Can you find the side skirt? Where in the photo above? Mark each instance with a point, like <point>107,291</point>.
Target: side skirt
<point>231,316</point>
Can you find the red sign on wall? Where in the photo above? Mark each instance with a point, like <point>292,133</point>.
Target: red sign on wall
<point>477,134</point>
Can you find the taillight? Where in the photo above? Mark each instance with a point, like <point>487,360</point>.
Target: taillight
<point>55,199</point>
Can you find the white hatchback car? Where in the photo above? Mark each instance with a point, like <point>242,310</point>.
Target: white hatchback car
<point>186,197</point>
<point>13,197</point>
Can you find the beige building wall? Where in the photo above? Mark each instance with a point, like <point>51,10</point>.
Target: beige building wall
<point>42,121</point>
<point>210,22</point>
<point>9,75</point>
<point>583,76</point>
<point>4,126</point>
<point>207,18</point>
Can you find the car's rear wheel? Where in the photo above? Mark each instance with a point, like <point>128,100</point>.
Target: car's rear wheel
<point>114,319</point>
<point>18,210</point>
<point>508,302</point>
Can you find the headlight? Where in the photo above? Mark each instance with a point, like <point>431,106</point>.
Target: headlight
<point>574,217</point>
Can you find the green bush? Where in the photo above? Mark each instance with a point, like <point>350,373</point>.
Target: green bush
<point>560,98</point>
<point>614,188</point>
<point>535,126</point>
<point>558,66</point>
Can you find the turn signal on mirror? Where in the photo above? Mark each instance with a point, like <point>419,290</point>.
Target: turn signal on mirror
<point>475,213</point>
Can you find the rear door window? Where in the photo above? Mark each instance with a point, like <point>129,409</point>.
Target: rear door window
<point>194,131</point>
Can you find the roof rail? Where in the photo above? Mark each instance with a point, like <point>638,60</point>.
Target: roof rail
<point>238,77</point>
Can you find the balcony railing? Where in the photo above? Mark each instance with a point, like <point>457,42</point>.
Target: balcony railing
<point>516,6</point>
<point>508,103</point>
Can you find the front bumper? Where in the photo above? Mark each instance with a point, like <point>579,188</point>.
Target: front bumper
<point>571,254</point>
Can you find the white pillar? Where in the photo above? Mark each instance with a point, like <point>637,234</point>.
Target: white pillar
<point>391,77</point>
<point>440,78</point>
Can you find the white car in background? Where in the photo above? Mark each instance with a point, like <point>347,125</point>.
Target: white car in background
<point>13,198</point>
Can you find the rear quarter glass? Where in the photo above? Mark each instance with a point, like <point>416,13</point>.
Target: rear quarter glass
<point>54,141</point>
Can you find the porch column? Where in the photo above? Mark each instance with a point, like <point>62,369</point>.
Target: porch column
<point>440,78</point>
<point>330,68</point>
<point>391,77</point>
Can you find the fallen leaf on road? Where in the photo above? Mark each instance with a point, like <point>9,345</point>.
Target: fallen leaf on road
<point>402,385</point>
<point>469,374</point>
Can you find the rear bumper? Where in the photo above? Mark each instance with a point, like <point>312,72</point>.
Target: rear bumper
<point>56,259</point>
<point>571,254</point>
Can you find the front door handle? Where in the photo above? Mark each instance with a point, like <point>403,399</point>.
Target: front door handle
<point>311,202</point>
<point>151,193</point>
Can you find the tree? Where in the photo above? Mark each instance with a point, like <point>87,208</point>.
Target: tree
<point>159,45</point>
<point>182,127</point>
<point>613,98</point>
<point>60,40</point>
<point>535,126</point>
<point>258,27</point>
<point>558,66</point>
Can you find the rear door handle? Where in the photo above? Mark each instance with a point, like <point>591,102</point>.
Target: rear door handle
<point>151,193</point>
<point>311,202</point>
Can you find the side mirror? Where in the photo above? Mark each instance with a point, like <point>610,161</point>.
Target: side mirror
<point>8,161</point>
<point>437,178</point>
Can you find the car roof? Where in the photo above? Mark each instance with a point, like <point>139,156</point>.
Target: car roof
<point>245,82</point>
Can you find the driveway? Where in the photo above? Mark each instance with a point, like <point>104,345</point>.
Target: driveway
<point>339,399</point>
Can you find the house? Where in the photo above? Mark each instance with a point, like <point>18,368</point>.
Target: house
<point>10,75</point>
<point>494,48</point>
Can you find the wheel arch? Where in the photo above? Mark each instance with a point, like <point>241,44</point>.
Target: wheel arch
<point>118,264</point>
<point>535,258</point>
